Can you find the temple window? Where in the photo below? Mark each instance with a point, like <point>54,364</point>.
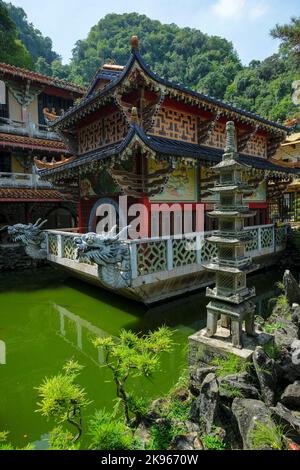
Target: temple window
<point>54,104</point>
<point>5,162</point>
<point>4,112</point>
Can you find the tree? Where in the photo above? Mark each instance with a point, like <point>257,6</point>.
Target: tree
<point>62,399</point>
<point>32,38</point>
<point>12,50</point>
<point>133,356</point>
<point>289,34</point>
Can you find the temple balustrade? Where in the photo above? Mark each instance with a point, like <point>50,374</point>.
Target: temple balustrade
<point>165,257</point>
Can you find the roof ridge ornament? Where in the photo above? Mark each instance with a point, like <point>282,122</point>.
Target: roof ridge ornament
<point>135,43</point>
<point>231,145</point>
<point>134,119</point>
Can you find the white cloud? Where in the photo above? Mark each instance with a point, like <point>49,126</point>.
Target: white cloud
<point>238,9</point>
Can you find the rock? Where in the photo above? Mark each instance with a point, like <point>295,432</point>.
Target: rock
<point>197,375</point>
<point>188,426</point>
<point>296,316</point>
<point>289,419</point>
<point>156,409</point>
<point>266,374</point>
<point>144,433</point>
<point>290,366</point>
<point>291,288</point>
<point>291,396</point>
<point>238,385</point>
<point>189,441</point>
<point>205,408</point>
<point>247,413</point>
<point>286,334</point>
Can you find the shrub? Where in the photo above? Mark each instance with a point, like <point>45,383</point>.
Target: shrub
<point>268,436</point>
<point>109,434</point>
<point>231,365</point>
<point>213,443</point>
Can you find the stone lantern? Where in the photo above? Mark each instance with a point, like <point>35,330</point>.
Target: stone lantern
<point>231,298</point>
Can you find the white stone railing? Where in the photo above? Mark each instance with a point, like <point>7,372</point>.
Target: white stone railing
<point>157,255</point>
<point>22,180</point>
<point>27,128</point>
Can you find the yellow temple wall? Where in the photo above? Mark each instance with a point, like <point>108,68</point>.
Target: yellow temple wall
<point>15,109</point>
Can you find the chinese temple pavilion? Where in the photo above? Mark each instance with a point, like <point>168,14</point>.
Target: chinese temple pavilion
<point>29,101</point>
<point>139,135</point>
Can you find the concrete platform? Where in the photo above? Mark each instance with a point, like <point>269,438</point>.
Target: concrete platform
<point>204,349</point>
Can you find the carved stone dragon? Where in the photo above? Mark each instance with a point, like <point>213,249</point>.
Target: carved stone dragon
<point>110,253</point>
<point>31,237</point>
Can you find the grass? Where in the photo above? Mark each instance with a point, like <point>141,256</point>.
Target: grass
<point>232,365</point>
<point>273,327</point>
<point>231,391</point>
<point>213,442</point>
<point>268,436</point>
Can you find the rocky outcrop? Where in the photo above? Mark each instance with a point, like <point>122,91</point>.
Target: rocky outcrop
<point>237,386</point>
<point>266,374</point>
<point>248,413</point>
<point>205,408</point>
<point>289,419</point>
<point>197,376</point>
<point>291,288</point>
<point>14,258</point>
<point>291,396</point>
<point>189,441</point>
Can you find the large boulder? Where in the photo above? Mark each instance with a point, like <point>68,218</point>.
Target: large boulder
<point>197,376</point>
<point>238,385</point>
<point>291,288</point>
<point>291,396</point>
<point>205,408</point>
<point>286,333</point>
<point>266,374</point>
<point>248,413</point>
<point>290,420</point>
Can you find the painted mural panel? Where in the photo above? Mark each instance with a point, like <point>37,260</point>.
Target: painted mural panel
<point>97,185</point>
<point>182,185</point>
<point>208,178</point>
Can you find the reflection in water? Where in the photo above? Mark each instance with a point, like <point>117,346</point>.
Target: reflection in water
<point>79,323</point>
<point>2,353</point>
<point>46,319</point>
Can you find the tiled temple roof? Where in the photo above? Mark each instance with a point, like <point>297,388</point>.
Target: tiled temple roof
<point>30,195</point>
<point>166,147</point>
<point>136,57</point>
<point>19,141</point>
<point>11,70</point>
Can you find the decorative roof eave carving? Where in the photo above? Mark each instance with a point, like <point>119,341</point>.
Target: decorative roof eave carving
<point>159,149</point>
<point>175,91</point>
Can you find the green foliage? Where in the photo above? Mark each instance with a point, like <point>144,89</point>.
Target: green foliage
<point>231,391</point>
<point>272,350</point>
<point>289,35</point>
<point>162,435</point>
<point>12,50</point>
<point>109,434</point>
<point>4,445</point>
<point>272,327</point>
<point>264,436</point>
<point>60,439</point>
<point>32,38</point>
<point>230,366</point>
<point>133,356</point>
<point>211,442</point>
<point>63,400</point>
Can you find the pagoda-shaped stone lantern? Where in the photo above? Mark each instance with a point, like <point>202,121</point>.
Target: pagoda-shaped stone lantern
<point>231,298</point>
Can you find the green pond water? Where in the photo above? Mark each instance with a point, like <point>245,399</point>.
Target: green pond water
<point>46,319</point>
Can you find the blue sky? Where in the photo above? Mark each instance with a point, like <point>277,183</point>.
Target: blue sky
<point>245,22</point>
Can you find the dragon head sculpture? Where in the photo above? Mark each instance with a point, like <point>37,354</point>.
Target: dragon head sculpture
<point>110,253</point>
<point>31,237</point>
<point>102,249</point>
